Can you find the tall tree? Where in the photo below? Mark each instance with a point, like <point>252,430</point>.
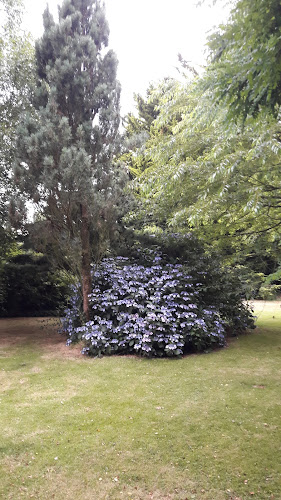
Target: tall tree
<point>218,171</point>
<point>146,110</point>
<point>221,180</point>
<point>16,87</point>
<point>65,154</point>
<point>139,128</point>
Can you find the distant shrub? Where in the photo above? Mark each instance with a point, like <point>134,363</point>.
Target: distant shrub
<point>271,286</point>
<point>269,292</point>
<point>157,308</point>
<point>30,287</point>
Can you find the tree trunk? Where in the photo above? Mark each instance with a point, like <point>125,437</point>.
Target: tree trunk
<point>86,260</point>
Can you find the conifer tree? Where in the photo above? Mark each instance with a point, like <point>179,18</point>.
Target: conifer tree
<point>65,154</point>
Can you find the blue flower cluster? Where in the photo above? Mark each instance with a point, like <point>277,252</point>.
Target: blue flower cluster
<point>151,310</point>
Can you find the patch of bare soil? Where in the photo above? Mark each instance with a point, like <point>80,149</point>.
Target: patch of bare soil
<point>40,332</point>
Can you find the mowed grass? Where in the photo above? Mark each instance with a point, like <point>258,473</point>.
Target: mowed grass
<point>203,427</point>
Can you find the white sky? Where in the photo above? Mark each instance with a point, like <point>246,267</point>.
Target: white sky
<point>147,35</point>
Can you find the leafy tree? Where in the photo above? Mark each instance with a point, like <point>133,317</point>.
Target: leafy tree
<point>16,78</point>
<point>16,87</point>
<point>245,69</point>
<point>217,171</point>
<point>214,155</point>
<point>212,178</point>
<point>65,152</point>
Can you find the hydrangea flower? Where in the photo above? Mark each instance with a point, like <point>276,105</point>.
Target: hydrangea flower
<point>155,310</point>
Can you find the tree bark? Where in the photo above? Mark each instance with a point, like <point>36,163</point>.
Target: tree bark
<point>86,260</point>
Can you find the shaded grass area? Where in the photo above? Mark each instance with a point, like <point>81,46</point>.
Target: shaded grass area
<point>203,427</point>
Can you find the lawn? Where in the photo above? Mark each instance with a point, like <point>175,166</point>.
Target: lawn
<point>203,427</point>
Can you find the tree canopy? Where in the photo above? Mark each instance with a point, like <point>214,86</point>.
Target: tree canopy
<point>245,64</point>
<point>214,155</point>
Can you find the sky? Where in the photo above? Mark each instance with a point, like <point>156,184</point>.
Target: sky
<point>147,35</point>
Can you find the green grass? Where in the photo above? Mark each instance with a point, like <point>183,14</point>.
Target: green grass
<point>204,427</point>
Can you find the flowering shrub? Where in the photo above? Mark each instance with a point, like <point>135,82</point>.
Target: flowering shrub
<point>151,310</point>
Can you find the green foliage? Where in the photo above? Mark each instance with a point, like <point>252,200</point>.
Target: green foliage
<point>30,287</point>
<point>269,292</point>
<point>214,155</point>
<point>245,68</point>
<point>222,181</point>
<point>16,89</point>
<point>67,157</point>
<point>271,286</point>
<point>140,129</point>
<point>65,151</point>
<point>147,113</point>
<point>8,245</point>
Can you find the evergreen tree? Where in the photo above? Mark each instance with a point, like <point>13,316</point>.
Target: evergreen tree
<point>65,153</point>
<point>147,112</point>
<point>139,128</point>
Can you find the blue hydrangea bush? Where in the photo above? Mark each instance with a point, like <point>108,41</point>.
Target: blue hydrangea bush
<point>157,309</point>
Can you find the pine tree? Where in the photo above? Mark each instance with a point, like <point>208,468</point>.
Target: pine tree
<point>65,154</point>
